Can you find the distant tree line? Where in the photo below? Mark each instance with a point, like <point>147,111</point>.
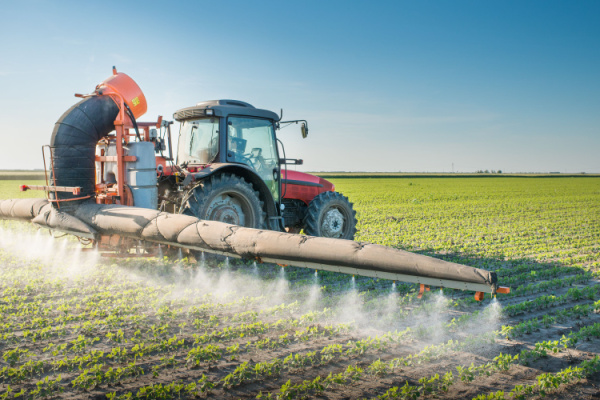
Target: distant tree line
<point>487,171</point>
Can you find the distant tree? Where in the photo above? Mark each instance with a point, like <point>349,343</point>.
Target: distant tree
<point>499,171</point>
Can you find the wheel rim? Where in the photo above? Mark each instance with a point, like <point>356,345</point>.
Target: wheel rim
<point>231,209</point>
<point>333,223</point>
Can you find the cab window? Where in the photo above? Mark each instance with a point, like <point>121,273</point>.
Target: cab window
<point>198,141</point>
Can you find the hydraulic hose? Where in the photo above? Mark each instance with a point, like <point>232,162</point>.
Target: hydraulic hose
<point>133,121</point>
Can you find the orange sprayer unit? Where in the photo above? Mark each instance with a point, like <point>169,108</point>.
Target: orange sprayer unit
<point>107,116</point>
<point>131,101</point>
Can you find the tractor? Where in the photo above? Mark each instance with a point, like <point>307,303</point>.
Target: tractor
<point>111,185</point>
<point>229,169</point>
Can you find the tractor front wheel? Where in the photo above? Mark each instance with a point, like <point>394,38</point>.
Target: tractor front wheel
<point>226,198</point>
<point>330,214</point>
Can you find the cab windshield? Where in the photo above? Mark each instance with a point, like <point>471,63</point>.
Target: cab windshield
<point>198,141</point>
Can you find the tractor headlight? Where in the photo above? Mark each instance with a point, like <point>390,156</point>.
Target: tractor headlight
<point>209,112</point>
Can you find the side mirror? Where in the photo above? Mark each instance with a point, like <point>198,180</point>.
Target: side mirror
<point>304,130</point>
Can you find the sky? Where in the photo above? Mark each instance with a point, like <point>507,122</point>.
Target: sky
<point>410,86</point>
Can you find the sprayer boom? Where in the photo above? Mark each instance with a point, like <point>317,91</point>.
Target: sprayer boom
<point>337,255</point>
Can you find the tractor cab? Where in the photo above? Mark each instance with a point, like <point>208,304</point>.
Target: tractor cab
<point>249,139</point>
<point>228,156</point>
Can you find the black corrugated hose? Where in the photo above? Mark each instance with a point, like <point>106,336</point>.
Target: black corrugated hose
<point>73,144</point>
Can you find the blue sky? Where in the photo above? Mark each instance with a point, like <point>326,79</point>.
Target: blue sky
<point>386,86</point>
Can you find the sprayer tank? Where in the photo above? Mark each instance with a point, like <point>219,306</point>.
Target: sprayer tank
<point>140,175</point>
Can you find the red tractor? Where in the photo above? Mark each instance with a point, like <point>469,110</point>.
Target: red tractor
<point>229,169</point>
<point>228,166</point>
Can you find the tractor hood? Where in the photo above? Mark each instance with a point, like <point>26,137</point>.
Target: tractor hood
<point>304,179</point>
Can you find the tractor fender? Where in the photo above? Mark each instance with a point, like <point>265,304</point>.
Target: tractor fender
<point>245,172</point>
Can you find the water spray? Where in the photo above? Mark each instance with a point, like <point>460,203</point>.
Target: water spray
<point>314,294</point>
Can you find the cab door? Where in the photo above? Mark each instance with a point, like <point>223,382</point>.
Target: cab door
<point>252,141</point>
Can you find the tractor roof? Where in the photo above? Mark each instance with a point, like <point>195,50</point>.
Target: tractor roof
<point>223,108</point>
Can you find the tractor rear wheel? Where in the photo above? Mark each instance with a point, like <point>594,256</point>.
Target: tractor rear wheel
<point>227,198</point>
<point>330,214</point>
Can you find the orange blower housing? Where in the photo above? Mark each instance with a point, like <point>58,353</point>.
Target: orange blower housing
<point>123,87</point>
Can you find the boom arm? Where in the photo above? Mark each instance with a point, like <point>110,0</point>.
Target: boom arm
<point>346,256</point>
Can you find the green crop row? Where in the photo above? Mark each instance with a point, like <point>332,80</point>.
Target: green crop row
<point>542,302</point>
<point>547,382</point>
<point>534,324</point>
<point>377,368</point>
<point>503,362</point>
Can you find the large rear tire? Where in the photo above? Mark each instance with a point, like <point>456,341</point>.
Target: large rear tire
<point>227,198</point>
<point>330,214</point>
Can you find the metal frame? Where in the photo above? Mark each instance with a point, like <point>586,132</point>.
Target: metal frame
<point>76,190</point>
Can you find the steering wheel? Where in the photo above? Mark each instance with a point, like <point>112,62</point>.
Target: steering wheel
<point>256,161</point>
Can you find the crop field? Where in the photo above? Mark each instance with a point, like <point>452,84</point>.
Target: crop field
<point>22,175</point>
<point>77,325</point>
